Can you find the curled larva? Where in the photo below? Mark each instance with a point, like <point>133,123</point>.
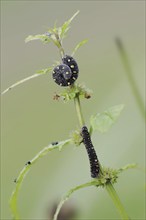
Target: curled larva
<point>62,75</point>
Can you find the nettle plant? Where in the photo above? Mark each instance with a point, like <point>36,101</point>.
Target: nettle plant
<point>65,74</point>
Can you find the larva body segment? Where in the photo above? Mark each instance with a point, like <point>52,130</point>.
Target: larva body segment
<point>94,163</point>
<point>70,61</point>
<point>66,73</point>
<point>62,74</point>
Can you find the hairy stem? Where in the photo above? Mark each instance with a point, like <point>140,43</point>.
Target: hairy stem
<point>109,187</point>
<point>130,77</point>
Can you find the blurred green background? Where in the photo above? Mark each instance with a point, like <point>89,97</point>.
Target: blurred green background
<point>30,118</point>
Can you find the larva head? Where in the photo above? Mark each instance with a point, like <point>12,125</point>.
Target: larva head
<point>84,129</point>
<point>62,74</point>
<point>84,132</point>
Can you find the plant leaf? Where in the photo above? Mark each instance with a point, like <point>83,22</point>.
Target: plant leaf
<point>65,27</point>
<point>128,166</point>
<point>44,71</point>
<point>69,193</point>
<point>79,45</point>
<point>78,89</point>
<point>39,73</point>
<point>24,171</point>
<point>102,122</point>
<point>42,37</point>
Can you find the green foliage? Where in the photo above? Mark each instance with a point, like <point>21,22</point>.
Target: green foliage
<point>128,166</point>
<point>79,45</point>
<point>42,37</point>
<point>102,122</point>
<point>66,26</point>
<point>76,137</point>
<point>129,74</point>
<point>108,176</point>
<point>20,82</point>
<point>24,171</point>
<point>38,73</point>
<point>44,71</point>
<point>75,90</point>
<point>69,193</point>
<point>55,34</point>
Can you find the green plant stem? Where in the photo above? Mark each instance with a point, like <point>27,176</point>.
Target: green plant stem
<point>68,194</point>
<point>24,171</point>
<point>20,82</point>
<point>79,111</point>
<point>61,50</point>
<point>113,194</point>
<point>109,187</point>
<point>130,77</point>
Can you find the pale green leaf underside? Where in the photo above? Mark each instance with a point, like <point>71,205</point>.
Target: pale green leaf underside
<point>102,122</point>
<point>79,45</point>
<point>42,37</point>
<point>24,171</point>
<point>39,73</point>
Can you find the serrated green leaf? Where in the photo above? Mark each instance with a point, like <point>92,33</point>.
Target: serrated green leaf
<point>65,27</point>
<point>79,45</point>
<point>102,122</point>
<point>42,37</point>
<point>39,73</point>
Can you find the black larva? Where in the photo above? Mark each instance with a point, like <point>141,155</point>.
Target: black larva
<point>94,163</point>
<point>70,61</point>
<point>66,74</point>
<point>62,74</point>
